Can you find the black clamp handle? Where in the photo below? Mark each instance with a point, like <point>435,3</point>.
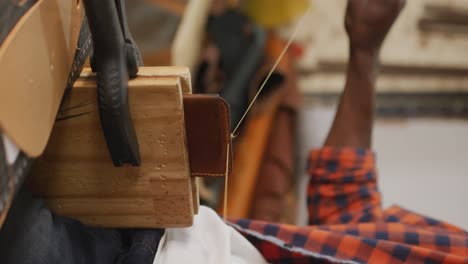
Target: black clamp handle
<point>115,59</point>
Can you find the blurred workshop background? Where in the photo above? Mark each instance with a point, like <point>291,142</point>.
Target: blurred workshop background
<point>421,130</point>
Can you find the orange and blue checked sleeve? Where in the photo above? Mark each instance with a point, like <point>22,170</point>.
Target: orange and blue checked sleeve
<point>347,224</point>
<point>342,187</point>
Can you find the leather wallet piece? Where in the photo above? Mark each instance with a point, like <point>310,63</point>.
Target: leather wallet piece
<point>208,135</point>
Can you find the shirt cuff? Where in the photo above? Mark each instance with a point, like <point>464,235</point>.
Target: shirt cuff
<point>342,165</point>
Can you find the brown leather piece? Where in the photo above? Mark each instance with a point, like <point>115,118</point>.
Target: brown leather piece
<point>208,135</point>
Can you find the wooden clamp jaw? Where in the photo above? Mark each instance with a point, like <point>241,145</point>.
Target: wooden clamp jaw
<point>181,136</point>
<point>36,59</point>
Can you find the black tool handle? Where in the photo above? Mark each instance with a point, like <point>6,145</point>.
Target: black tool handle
<point>111,65</point>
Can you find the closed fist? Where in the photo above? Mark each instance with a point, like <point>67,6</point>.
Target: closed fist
<point>367,22</point>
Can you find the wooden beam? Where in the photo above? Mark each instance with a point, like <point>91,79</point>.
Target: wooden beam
<point>78,179</point>
<point>187,44</point>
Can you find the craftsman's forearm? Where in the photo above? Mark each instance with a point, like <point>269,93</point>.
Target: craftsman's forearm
<point>354,120</point>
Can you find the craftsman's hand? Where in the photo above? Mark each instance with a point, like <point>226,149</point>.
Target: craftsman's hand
<point>368,22</point>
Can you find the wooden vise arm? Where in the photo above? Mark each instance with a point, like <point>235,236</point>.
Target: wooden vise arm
<point>181,136</point>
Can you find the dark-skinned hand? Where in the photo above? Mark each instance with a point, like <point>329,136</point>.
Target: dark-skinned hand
<point>368,22</point>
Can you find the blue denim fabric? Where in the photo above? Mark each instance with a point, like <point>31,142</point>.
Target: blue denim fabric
<point>142,246</point>
<point>32,234</point>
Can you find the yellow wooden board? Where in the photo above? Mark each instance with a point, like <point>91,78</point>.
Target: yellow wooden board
<point>76,174</point>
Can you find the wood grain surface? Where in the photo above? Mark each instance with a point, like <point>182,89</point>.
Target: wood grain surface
<point>76,174</point>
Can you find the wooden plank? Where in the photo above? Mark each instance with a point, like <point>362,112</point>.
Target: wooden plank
<point>170,71</point>
<point>113,206</point>
<point>140,221</point>
<point>76,174</point>
<point>161,71</point>
<point>187,44</point>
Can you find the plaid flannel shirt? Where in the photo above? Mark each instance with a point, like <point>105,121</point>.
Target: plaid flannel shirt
<point>348,225</point>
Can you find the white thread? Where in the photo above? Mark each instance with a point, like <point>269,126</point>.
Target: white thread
<point>285,49</point>
<point>278,60</point>
<point>225,210</point>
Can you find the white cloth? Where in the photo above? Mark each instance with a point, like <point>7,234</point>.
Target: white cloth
<point>12,151</point>
<point>208,241</point>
